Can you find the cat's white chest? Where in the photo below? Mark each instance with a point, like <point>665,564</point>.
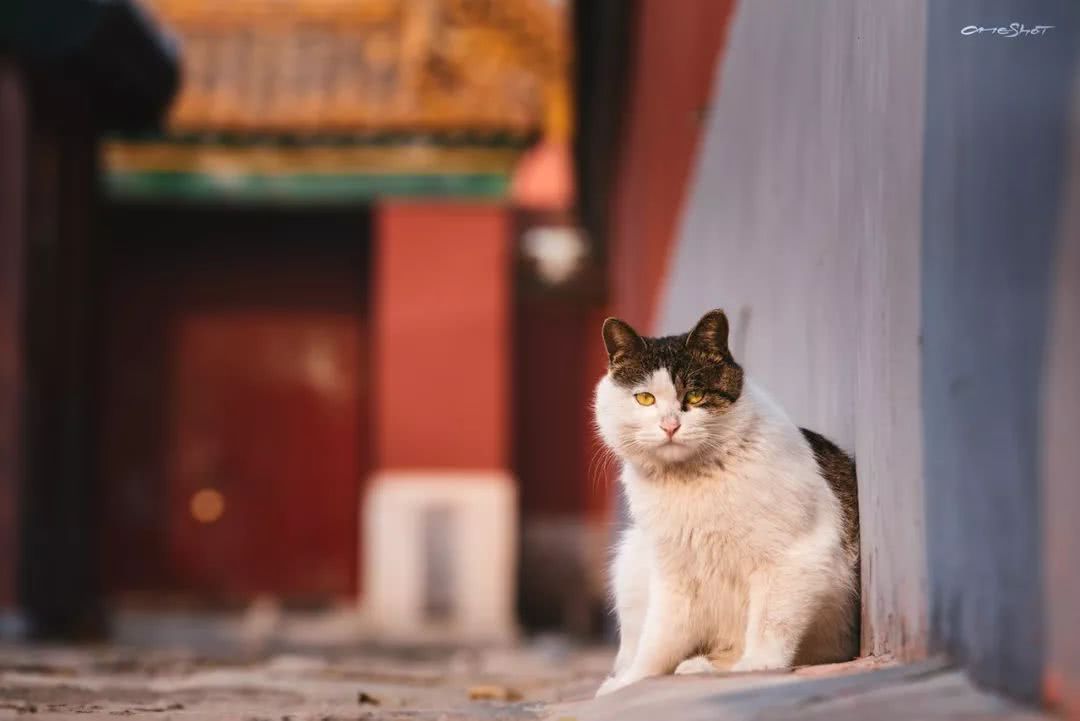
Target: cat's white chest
<point>702,545</point>
<point>729,521</point>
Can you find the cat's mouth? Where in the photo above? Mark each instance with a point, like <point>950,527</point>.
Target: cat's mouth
<point>672,449</point>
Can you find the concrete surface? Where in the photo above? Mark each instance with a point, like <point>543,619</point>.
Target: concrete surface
<point>545,680</point>
<point>419,685</point>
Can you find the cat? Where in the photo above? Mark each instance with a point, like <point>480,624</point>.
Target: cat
<point>742,551</point>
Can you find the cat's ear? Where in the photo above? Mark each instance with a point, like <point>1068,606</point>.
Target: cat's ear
<point>620,340</point>
<point>710,335</point>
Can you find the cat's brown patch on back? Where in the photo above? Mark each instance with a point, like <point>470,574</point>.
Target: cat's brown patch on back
<point>838,468</point>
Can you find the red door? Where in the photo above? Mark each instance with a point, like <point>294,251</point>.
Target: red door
<point>235,434</point>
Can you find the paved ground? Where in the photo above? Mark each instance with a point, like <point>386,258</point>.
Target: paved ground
<point>432,685</point>
<point>549,680</point>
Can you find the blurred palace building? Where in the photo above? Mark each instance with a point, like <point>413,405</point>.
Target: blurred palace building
<point>303,297</point>
<point>334,326</point>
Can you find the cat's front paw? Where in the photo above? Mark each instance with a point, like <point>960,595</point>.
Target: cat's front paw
<point>611,685</point>
<point>760,663</point>
<point>697,664</point>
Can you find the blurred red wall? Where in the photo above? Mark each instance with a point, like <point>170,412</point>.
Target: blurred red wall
<point>673,55</point>
<point>235,361</point>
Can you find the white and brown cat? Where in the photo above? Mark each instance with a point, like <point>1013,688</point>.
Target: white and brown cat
<point>742,551</point>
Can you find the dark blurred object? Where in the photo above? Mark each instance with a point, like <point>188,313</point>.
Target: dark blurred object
<point>70,70</point>
<point>109,52</point>
<point>601,47</point>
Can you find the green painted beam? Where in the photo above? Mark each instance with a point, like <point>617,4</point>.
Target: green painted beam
<point>299,188</point>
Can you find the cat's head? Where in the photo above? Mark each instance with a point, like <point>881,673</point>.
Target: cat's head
<point>664,401</point>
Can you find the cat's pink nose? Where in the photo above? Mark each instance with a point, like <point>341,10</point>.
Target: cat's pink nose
<point>670,424</point>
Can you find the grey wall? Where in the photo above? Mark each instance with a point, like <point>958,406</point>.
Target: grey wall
<point>996,139</point>
<point>803,221</point>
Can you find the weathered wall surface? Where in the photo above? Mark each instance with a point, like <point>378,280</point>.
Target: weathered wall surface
<point>1061,419</point>
<point>883,205</point>
<point>803,222</point>
<point>995,149</point>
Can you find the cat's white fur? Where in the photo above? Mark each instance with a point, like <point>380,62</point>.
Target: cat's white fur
<point>734,556</point>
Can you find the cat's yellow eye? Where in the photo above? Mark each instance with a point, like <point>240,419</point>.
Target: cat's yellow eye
<point>645,399</point>
<point>694,397</point>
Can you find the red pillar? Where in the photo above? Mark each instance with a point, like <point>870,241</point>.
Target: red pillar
<point>441,314</point>
<point>13,137</point>
<point>440,512</point>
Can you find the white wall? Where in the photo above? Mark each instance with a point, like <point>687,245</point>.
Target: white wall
<point>803,221</point>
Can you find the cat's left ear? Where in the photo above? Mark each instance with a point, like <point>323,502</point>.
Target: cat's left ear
<point>621,341</point>
<point>710,335</point>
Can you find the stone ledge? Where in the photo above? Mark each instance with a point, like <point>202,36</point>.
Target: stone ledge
<point>856,690</point>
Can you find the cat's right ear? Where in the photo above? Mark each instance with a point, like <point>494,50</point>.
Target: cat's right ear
<point>620,340</point>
